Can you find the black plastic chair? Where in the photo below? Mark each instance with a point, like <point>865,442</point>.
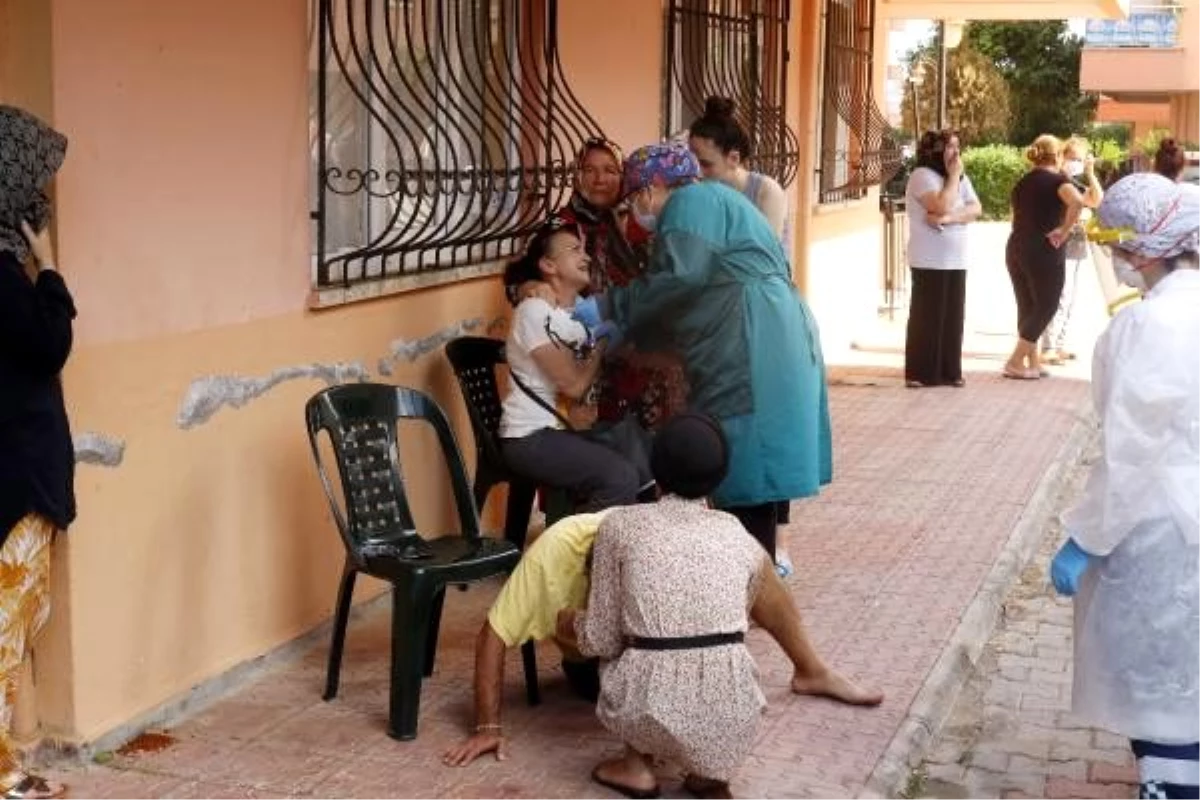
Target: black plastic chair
<point>474,360</point>
<point>381,538</point>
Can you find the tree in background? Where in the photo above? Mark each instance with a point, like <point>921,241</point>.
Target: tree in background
<point>1039,61</point>
<point>977,96</point>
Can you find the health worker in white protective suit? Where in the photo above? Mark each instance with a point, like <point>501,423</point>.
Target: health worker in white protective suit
<point>1132,551</point>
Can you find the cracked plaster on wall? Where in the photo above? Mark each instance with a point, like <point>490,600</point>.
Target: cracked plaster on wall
<point>99,449</point>
<point>205,396</point>
<point>411,349</point>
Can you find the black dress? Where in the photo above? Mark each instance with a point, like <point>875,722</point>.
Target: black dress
<point>1037,268</point>
<point>37,457</point>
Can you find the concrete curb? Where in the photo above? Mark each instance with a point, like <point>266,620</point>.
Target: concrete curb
<point>936,697</point>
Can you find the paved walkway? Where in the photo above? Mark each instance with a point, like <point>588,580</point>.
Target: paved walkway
<point>930,485</point>
<point>1011,733</point>
<point>929,488</point>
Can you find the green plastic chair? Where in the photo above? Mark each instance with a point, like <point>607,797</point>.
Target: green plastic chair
<point>381,538</point>
<point>474,360</point>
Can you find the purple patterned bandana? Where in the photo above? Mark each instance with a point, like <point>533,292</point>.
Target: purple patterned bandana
<point>672,162</point>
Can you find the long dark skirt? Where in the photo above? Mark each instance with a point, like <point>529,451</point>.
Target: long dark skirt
<point>933,345</point>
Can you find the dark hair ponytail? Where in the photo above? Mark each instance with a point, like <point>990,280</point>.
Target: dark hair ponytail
<point>1170,159</point>
<point>719,124</point>
<point>527,266</point>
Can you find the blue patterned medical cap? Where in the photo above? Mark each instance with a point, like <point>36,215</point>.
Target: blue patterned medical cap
<point>671,162</point>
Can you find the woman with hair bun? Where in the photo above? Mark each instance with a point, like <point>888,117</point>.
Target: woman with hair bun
<point>1170,159</point>
<point>722,146</point>
<point>1045,206</point>
<point>723,149</point>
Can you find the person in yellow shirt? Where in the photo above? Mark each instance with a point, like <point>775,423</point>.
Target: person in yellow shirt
<point>553,575</point>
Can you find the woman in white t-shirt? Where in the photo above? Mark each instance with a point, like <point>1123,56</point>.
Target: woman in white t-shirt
<point>940,202</point>
<point>550,355</point>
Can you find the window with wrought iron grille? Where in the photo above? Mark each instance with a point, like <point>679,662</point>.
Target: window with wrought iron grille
<point>441,131</point>
<point>736,49</point>
<point>857,148</point>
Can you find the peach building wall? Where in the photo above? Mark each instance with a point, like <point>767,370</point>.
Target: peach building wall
<point>183,232</point>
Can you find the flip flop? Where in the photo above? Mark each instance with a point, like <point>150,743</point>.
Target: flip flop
<point>628,791</point>
<point>1020,374</point>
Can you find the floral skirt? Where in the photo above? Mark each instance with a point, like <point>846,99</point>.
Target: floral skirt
<point>651,386</point>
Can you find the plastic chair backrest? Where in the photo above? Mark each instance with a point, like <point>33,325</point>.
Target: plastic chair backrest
<point>360,419</point>
<point>474,360</point>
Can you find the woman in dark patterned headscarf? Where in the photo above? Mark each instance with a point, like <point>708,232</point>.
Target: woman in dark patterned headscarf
<point>37,459</point>
<point>650,385</point>
<point>613,240</point>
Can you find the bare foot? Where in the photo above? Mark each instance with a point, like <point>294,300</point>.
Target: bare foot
<point>629,775</point>
<point>832,685</point>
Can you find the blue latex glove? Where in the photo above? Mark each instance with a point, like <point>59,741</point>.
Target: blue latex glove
<point>608,330</point>
<point>587,311</point>
<point>1068,566</point>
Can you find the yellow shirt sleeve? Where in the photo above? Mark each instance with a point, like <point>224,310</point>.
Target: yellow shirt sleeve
<point>549,577</point>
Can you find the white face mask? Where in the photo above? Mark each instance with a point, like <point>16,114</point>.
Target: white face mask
<point>1074,167</point>
<point>1127,273</point>
<point>647,221</point>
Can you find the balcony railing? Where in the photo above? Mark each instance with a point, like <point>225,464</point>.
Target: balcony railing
<point>1146,27</point>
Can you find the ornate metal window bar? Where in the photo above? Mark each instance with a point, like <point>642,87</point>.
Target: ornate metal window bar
<point>858,148</point>
<point>442,132</point>
<point>736,49</point>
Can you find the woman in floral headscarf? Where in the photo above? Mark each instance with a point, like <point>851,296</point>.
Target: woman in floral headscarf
<point>1134,543</point>
<point>37,459</point>
<point>719,288</point>
<point>647,384</point>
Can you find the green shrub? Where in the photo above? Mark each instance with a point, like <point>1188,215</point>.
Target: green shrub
<point>1110,156</point>
<point>1108,150</point>
<point>1116,132</point>
<point>994,170</point>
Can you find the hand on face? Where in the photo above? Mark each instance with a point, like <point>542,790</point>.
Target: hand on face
<point>954,165</point>
<point>39,244</point>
